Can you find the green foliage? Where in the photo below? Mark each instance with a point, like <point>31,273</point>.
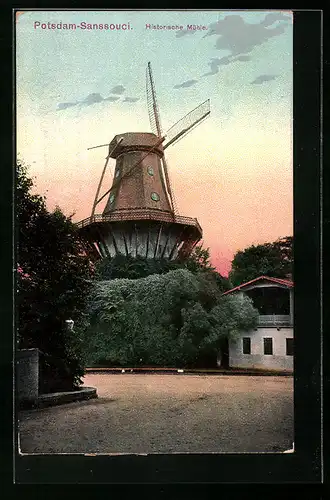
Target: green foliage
<point>199,260</point>
<point>271,259</point>
<point>129,267</point>
<point>122,266</point>
<point>233,314</point>
<point>52,284</point>
<point>170,319</point>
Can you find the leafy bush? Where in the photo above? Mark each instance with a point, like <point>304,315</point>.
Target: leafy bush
<point>170,319</point>
<point>122,266</point>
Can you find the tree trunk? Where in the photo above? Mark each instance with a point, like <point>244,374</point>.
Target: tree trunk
<point>223,355</point>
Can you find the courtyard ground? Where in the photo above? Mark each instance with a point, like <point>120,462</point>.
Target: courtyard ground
<point>153,413</point>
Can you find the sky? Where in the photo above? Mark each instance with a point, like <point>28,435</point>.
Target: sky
<point>78,88</point>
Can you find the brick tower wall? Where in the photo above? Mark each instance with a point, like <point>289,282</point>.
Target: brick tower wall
<point>144,187</point>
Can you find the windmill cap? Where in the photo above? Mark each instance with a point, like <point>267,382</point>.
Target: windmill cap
<point>134,141</point>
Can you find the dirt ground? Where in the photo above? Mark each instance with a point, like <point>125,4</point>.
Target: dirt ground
<point>151,413</point>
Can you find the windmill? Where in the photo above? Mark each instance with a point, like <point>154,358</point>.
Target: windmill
<point>140,216</point>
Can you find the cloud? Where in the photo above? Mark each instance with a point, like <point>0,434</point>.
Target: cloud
<point>242,58</point>
<point>273,17</point>
<point>212,29</point>
<point>226,25</point>
<point>239,37</point>
<point>96,98</point>
<point>131,99</point>
<point>92,99</point>
<point>215,64</point>
<point>264,78</point>
<point>65,105</point>
<point>118,89</point>
<point>186,84</point>
<point>111,98</point>
<point>181,33</point>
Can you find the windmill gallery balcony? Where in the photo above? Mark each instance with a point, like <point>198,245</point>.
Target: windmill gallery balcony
<point>147,233</point>
<point>140,214</point>
<point>140,217</point>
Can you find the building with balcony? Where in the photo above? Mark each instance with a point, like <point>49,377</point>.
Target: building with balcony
<point>270,345</point>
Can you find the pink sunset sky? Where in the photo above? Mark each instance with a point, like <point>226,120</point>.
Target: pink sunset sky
<point>77,89</point>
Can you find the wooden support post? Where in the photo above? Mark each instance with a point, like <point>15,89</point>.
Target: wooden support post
<point>96,201</point>
<point>168,237</point>
<point>136,240</point>
<point>148,239</point>
<point>125,243</point>
<point>158,238</point>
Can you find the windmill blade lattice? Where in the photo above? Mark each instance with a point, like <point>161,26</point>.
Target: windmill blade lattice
<point>173,135</point>
<point>154,118</point>
<point>153,110</point>
<point>187,123</point>
<point>172,195</point>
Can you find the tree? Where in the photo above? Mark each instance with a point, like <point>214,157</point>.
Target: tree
<point>204,334</point>
<point>270,259</point>
<point>285,248</point>
<point>171,319</point>
<point>199,260</point>
<point>122,266</point>
<point>52,284</point>
<point>127,324</point>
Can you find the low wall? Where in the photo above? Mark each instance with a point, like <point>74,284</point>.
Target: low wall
<point>27,374</point>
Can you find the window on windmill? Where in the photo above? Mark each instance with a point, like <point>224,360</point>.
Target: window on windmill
<point>150,170</point>
<point>112,198</point>
<point>155,196</point>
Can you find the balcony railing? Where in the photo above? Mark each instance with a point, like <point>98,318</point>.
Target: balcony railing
<point>274,320</point>
<point>140,214</point>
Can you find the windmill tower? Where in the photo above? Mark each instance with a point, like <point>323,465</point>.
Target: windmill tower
<point>140,217</point>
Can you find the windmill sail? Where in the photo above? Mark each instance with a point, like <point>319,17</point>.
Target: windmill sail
<point>152,104</point>
<point>187,123</point>
<point>96,200</point>
<point>156,128</point>
<point>174,134</point>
